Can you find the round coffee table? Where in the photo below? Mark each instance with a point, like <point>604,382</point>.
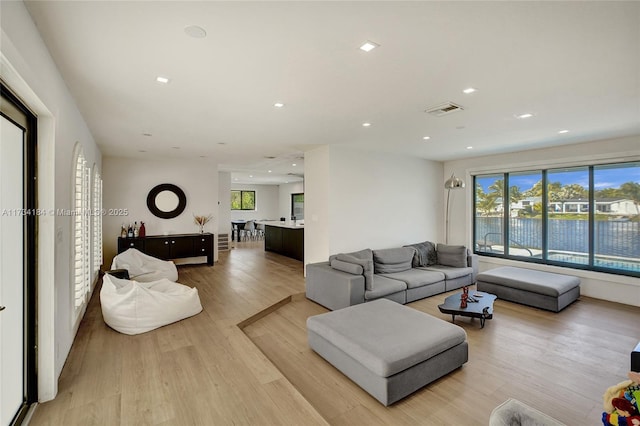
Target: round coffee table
<point>482,309</point>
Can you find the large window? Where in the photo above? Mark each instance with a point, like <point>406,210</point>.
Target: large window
<point>489,215</point>
<point>243,200</point>
<point>568,212</point>
<point>583,217</point>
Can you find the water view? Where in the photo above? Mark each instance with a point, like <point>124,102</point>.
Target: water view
<point>611,207</point>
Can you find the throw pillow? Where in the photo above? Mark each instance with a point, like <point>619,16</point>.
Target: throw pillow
<point>425,255</point>
<point>367,267</point>
<point>455,256</point>
<point>351,268</point>
<point>389,261</point>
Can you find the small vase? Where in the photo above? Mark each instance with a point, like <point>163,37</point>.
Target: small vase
<point>202,229</point>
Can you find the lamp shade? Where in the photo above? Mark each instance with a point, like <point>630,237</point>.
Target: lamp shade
<point>454,182</point>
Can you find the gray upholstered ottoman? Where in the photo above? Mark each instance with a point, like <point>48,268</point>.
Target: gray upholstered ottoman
<point>388,349</point>
<point>513,412</point>
<point>544,290</point>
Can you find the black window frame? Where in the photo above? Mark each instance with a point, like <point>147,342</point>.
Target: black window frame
<point>544,259</point>
<point>293,197</point>
<point>242,207</point>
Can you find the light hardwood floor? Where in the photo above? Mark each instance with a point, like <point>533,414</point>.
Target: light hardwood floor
<point>208,371</point>
<point>200,371</point>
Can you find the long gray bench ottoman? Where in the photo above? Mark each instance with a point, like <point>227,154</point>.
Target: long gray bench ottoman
<point>388,349</point>
<point>544,290</point>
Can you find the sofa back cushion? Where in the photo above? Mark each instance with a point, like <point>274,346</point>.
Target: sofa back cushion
<point>366,254</point>
<point>363,258</point>
<point>389,261</point>
<point>455,256</point>
<point>425,254</point>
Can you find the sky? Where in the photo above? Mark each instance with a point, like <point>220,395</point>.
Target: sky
<point>604,177</point>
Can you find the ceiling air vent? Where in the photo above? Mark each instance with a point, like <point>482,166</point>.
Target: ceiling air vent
<point>443,109</point>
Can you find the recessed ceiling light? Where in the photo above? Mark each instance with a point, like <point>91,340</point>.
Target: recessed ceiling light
<point>175,147</point>
<point>563,131</point>
<point>164,80</point>
<point>195,31</point>
<point>525,115</point>
<point>250,175</point>
<point>278,105</point>
<point>222,143</point>
<point>268,171</point>
<point>286,181</point>
<point>147,134</point>
<point>469,147</point>
<point>235,179</point>
<point>294,164</point>
<point>469,90</point>
<point>366,124</point>
<point>142,150</point>
<point>426,138</point>
<point>368,46</point>
<point>203,156</point>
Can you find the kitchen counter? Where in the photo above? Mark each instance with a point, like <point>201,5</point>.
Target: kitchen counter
<point>286,224</point>
<point>284,238</point>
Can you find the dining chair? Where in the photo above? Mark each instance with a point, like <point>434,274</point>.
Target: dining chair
<point>249,230</point>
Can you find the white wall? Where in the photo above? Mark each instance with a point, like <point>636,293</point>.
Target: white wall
<point>356,199</point>
<point>224,203</point>
<point>317,180</point>
<point>267,200</point>
<point>127,183</point>
<point>603,286</point>
<point>30,71</point>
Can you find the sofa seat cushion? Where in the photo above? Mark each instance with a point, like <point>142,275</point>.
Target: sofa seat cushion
<point>383,286</point>
<point>450,272</point>
<point>386,337</point>
<point>514,412</point>
<point>540,282</point>
<point>388,261</point>
<point>417,277</point>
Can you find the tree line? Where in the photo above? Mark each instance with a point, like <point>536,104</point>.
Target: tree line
<point>487,202</point>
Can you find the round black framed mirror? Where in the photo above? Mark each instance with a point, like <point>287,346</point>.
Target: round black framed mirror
<point>166,201</point>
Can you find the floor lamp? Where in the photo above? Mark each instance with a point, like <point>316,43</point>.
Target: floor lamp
<point>452,183</point>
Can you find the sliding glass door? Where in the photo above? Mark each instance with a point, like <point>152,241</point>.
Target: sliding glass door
<point>17,260</point>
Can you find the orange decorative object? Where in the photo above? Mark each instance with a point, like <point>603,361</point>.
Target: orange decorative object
<point>464,297</point>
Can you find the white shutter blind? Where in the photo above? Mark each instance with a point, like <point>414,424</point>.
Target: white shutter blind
<point>97,223</point>
<point>78,237</point>
<point>86,231</point>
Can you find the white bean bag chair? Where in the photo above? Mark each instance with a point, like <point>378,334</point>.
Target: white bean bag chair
<point>145,268</point>
<point>132,307</point>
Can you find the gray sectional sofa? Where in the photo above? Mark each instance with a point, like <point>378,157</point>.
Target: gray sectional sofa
<point>402,274</point>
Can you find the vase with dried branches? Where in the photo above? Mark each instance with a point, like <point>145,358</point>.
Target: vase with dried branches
<point>201,221</point>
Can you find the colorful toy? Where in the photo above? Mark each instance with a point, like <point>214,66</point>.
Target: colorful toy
<point>621,403</point>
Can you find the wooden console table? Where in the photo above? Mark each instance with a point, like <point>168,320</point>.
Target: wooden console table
<point>169,247</point>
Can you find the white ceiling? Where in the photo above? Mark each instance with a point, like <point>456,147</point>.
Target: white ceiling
<point>574,65</point>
